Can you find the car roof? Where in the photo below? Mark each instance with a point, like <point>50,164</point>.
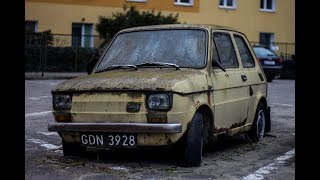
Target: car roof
<point>182,26</point>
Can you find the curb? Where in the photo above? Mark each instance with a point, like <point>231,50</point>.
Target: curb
<point>52,76</point>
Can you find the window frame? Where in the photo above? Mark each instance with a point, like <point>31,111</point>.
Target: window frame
<point>264,9</point>
<point>35,24</point>
<point>233,47</point>
<point>179,3</point>
<point>272,38</point>
<point>225,6</point>
<point>156,29</point>
<point>83,35</point>
<point>243,39</point>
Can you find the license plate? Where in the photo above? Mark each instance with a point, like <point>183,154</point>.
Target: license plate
<point>269,62</point>
<point>108,140</point>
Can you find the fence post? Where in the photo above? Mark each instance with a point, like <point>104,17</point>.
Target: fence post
<point>76,55</point>
<point>286,50</point>
<point>42,53</point>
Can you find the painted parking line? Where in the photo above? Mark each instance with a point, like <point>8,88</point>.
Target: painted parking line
<point>278,162</point>
<point>38,113</point>
<point>48,133</point>
<point>44,144</point>
<point>44,82</point>
<point>38,98</point>
<point>277,104</point>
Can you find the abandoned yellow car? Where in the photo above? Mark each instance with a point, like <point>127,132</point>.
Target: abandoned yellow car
<point>160,85</point>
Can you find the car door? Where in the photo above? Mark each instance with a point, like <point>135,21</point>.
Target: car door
<point>230,91</point>
<point>255,79</point>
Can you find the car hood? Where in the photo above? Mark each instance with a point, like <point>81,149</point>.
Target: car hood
<point>147,79</point>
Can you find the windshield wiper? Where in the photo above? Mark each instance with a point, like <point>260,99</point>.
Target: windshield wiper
<point>117,67</point>
<point>158,64</point>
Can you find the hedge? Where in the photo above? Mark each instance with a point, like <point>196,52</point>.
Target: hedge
<point>58,59</point>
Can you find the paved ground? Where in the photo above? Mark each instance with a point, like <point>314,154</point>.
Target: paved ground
<point>233,158</point>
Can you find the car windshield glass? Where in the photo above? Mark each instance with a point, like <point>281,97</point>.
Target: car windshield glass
<point>184,48</point>
<point>261,51</point>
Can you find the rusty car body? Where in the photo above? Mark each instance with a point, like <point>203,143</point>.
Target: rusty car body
<point>160,85</point>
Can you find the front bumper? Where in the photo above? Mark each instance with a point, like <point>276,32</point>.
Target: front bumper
<point>116,127</point>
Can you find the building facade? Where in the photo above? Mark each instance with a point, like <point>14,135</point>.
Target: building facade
<point>264,21</point>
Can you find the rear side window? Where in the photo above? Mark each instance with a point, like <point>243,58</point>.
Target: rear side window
<point>245,55</point>
<point>226,51</point>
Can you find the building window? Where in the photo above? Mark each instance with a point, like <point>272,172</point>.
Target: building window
<point>30,26</point>
<point>266,39</point>
<point>183,2</point>
<point>268,5</point>
<point>82,35</point>
<point>229,4</point>
<point>137,0</point>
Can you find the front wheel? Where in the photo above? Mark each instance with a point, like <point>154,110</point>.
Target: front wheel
<point>258,127</point>
<point>194,141</point>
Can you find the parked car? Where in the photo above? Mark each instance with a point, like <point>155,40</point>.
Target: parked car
<point>288,70</point>
<point>270,61</point>
<point>168,85</point>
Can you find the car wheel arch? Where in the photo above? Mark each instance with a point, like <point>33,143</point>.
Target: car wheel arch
<point>208,122</point>
<point>263,100</point>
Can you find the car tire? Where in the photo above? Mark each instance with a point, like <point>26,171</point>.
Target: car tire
<point>270,78</point>
<point>194,141</point>
<point>72,149</point>
<point>257,131</point>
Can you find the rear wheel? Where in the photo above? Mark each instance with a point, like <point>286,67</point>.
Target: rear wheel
<point>194,141</point>
<point>72,149</point>
<point>270,78</point>
<point>258,127</point>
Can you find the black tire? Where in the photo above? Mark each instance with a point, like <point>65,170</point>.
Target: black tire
<point>258,128</point>
<point>72,149</point>
<point>270,78</point>
<point>194,141</point>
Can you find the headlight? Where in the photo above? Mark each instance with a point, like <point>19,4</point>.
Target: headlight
<point>159,102</point>
<point>62,102</point>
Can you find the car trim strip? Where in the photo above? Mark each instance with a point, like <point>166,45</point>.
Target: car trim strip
<point>116,127</point>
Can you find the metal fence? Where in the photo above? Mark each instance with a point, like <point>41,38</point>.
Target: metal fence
<point>59,52</point>
<point>67,53</point>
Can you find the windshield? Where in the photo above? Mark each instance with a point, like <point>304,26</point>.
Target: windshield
<point>184,48</point>
<point>260,51</point>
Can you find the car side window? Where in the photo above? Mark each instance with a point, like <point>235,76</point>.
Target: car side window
<point>245,55</point>
<point>226,50</point>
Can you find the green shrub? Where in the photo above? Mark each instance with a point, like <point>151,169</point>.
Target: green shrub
<point>58,59</point>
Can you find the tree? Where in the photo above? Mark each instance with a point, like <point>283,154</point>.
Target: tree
<point>108,27</point>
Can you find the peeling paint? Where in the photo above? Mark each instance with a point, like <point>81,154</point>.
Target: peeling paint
<point>167,80</point>
<point>219,130</point>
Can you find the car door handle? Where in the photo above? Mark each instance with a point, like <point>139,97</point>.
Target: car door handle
<point>244,77</point>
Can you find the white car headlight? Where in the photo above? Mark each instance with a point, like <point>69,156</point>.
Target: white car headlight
<point>159,102</point>
<point>62,102</point>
